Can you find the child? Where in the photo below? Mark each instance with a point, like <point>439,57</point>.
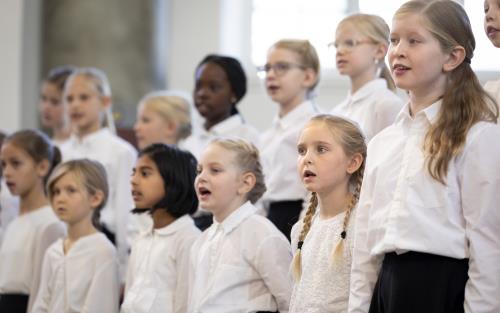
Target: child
<point>361,42</point>
<point>88,97</point>
<point>80,272</point>
<point>292,73</point>
<point>239,264</point>
<point>492,29</point>
<point>27,159</point>
<point>427,236</point>
<point>331,151</point>
<point>220,84</point>
<point>162,118</point>
<point>163,186</point>
<point>52,112</point>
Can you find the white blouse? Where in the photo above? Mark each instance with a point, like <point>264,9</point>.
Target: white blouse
<point>84,280</point>
<point>21,254</point>
<point>278,147</point>
<point>240,265</point>
<point>493,87</point>
<point>9,207</point>
<point>157,276</point>
<point>373,107</point>
<point>118,158</point>
<point>403,209</point>
<point>324,285</point>
<point>233,126</point>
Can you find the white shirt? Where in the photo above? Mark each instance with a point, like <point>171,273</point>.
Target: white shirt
<point>403,209</point>
<point>21,255</point>
<point>118,158</point>
<point>240,266</point>
<point>278,147</point>
<point>493,88</point>
<point>84,280</point>
<point>373,107</point>
<point>324,285</point>
<point>9,207</point>
<point>157,277</point>
<point>233,126</point>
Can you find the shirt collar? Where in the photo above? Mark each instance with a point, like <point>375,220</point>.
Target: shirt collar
<point>431,112</point>
<point>368,89</point>
<point>174,227</point>
<point>87,139</point>
<point>233,220</point>
<point>224,127</point>
<point>290,119</point>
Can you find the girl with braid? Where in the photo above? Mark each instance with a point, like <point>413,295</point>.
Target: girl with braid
<point>332,153</point>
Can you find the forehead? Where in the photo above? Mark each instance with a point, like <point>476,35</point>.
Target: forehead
<point>145,161</point>
<point>317,131</point>
<point>10,149</point>
<point>215,153</point>
<point>212,71</point>
<point>347,30</point>
<point>80,82</point>
<point>410,23</point>
<point>277,54</point>
<point>68,178</point>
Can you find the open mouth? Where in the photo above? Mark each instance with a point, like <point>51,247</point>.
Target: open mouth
<point>308,174</point>
<point>204,192</point>
<point>491,31</point>
<point>273,88</point>
<point>136,194</point>
<point>341,62</point>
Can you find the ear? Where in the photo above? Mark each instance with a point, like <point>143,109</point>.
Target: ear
<point>310,77</point>
<point>454,59</point>
<point>247,183</point>
<point>96,199</point>
<point>381,51</point>
<point>106,101</point>
<point>170,128</point>
<point>42,168</point>
<point>354,163</point>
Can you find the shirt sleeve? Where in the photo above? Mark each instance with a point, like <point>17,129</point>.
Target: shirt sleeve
<point>272,262</point>
<point>365,267</point>
<point>102,296</point>
<point>480,194</point>
<point>183,269</point>
<point>42,301</point>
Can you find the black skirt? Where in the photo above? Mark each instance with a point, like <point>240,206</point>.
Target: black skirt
<point>13,303</point>
<point>284,214</point>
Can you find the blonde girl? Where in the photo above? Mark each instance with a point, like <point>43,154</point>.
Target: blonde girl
<point>240,263</point>
<point>162,118</point>
<point>332,153</point>
<point>87,95</point>
<point>361,42</point>
<point>427,236</point>
<point>492,29</point>
<point>27,159</point>
<point>291,75</point>
<point>80,271</point>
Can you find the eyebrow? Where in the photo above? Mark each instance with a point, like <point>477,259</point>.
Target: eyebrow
<point>144,167</point>
<point>317,142</point>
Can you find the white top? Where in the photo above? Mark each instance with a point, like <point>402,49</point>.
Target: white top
<point>21,255</point>
<point>373,107</point>
<point>324,285</point>
<point>85,280</point>
<point>118,158</point>
<point>403,209</point>
<point>493,87</point>
<point>240,266</point>
<point>233,126</point>
<point>278,147</point>
<point>157,276</point>
<point>9,207</point>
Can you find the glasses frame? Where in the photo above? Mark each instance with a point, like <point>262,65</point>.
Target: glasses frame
<point>279,68</point>
<point>349,44</point>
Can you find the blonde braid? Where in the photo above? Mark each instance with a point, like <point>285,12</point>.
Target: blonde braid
<point>296,266</point>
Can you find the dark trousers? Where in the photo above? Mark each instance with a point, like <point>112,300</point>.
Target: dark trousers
<point>13,303</point>
<point>284,214</point>
<point>420,282</point>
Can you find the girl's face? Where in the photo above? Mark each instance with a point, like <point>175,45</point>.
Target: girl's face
<point>20,170</point>
<point>71,201</point>
<point>219,182</point>
<point>416,58</point>
<point>492,21</point>
<point>52,112</point>
<point>147,183</point>
<point>356,54</point>
<point>213,96</point>
<point>151,128</point>
<point>322,163</point>
<point>85,104</point>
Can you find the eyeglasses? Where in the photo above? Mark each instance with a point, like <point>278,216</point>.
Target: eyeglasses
<point>279,68</point>
<point>348,44</point>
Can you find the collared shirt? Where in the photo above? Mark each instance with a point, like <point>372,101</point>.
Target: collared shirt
<point>21,254</point>
<point>9,207</point>
<point>118,158</point>
<point>85,279</point>
<point>240,265</point>
<point>278,147</point>
<point>157,277</point>
<point>402,208</point>
<point>233,126</point>
<point>493,88</point>
<point>373,107</point>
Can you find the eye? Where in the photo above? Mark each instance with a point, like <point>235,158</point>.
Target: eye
<point>84,97</point>
<point>350,43</point>
<point>281,67</point>
<point>3,164</point>
<point>198,170</point>
<point>145,119</point>
<point>321,149</point>
<point>301,150</point>
<point>413,41</point>
<point>69,99</point>
<point>215,170</point>
<point>393,40</point>
<point>214,87</point>
<point>144,173</point>
<point>71,189</point>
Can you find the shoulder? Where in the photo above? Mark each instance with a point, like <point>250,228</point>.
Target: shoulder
<point>259,228</point>
<point>387,98</point>
<point>483,137</point>
<point>103,248</point>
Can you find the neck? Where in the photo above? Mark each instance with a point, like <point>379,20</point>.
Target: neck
<point>333,202</point>
<point>362,79</point>
<point>171,140</point>
<point>81,229</point>
<point>33,200</point>
<point>287,107</point>
<point>423,97</point>
<point>84,131</point>
<point>162,218</point>
<point>221,215</point>
<point>211,123</point>
<point>61,133</point>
